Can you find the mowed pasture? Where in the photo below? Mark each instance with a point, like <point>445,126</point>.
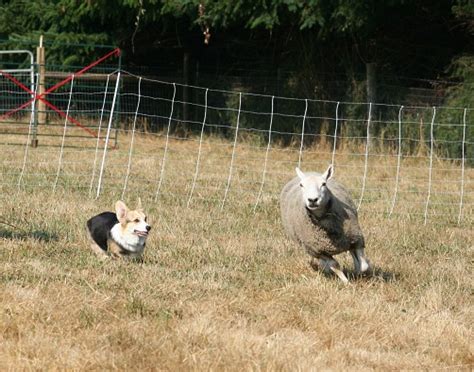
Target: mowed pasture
<point>220,286</point>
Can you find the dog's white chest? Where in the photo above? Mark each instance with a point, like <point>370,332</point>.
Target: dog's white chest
<point>129,242</point>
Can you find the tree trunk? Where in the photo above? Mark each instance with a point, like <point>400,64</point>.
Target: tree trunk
<point>371,69</point>
<point>186,58</point>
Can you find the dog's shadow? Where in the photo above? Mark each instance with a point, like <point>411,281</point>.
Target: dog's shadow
<point>41,235</point>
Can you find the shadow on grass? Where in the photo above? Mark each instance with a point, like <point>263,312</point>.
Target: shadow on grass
<point>41,235</point>
<point>374,274</point>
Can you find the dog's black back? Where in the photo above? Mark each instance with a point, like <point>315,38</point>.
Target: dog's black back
<point>99,228</point>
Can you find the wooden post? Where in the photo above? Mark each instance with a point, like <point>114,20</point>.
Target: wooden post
<point>40,60</point>
<point>421,141</point>
<point>40,112</point>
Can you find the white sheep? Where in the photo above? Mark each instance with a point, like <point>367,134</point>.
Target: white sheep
<point>318,213</point>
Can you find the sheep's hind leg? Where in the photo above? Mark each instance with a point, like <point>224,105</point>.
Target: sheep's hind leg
<point>327,264</point>
<point>361,264</point>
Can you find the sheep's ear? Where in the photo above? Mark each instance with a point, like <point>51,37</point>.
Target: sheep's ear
<point>299,173</point>
<point>329,173</point>
<point>121,210</point>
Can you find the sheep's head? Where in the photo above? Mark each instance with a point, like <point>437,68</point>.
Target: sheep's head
<point>314,189</point>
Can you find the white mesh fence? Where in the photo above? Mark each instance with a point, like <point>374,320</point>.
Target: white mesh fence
<point>227,150</point>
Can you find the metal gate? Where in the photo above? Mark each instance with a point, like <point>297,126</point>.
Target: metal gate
<point>11,94</point>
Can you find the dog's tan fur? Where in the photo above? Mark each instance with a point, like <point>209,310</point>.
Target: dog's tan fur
<point>128,221</point>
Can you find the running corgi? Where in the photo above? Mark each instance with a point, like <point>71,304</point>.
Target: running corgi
<point>119,234</point>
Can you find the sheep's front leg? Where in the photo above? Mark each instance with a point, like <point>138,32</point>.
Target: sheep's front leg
<point>361,264</point>
<point>327,264</point>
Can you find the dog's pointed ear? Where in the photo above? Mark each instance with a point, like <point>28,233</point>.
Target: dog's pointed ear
<point>121,210</point>
<point>139,206</point>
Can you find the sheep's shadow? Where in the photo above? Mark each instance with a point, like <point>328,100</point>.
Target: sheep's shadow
<point>40,235</point>
<point>375,273</point>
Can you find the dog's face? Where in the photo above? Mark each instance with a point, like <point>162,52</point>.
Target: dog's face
<point>133,222</point>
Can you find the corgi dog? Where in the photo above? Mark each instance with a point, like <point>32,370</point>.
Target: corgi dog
<point>119,234</point>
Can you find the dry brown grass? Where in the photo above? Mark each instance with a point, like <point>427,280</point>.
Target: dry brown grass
<point>226,290</point>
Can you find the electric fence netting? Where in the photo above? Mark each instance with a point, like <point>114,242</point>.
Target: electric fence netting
<point>197,146</point>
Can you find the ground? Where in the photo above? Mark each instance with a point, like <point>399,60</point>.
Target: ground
<point>221,287</point>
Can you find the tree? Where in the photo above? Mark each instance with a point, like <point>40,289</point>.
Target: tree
<point>312,48</point>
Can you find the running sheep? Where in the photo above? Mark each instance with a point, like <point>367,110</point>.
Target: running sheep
<point>318,213</point>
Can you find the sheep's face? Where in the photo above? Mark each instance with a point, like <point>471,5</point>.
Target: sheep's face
<point>314,189</point>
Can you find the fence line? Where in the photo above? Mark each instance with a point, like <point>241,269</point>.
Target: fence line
<point>463,160</point>
<point>125,182</point>
<point>198,159</point>
<point>244,147</point>
<point>98,135</point>
<point>399,158</point>
<point>265,162</point>
<point>28,138</point>
<point>107,137</point>
<point>430,176</point>
<point>302,133</point>
<point>232,159</point>
<point>335,134</point>
<point>367,146</point>
<point>61,152</point>
<point>163,162</point>
<point>260,95</point>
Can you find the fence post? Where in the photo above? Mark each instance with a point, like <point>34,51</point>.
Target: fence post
<point>117,114</point>
<point>107,136</point>
<point>371,74</point>
<point>40,105</point>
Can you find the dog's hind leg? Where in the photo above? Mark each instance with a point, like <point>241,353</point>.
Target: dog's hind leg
<point>99,251</point>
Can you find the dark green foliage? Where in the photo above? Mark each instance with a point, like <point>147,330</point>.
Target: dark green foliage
<point>315,49</point>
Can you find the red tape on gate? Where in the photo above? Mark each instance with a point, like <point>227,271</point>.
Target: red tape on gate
<point>115,52</point>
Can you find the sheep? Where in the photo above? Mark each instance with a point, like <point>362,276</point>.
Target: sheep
<point>318,213</point>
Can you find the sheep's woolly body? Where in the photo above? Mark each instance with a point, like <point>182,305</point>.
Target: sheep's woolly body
<point>334,231</point>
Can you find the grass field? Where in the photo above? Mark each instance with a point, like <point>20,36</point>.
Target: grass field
<point>223,288</point>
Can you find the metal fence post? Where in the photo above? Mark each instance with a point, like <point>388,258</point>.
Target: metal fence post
<point>117,113</point>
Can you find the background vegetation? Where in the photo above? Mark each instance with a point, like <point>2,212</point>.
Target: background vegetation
<point>418,53</point>
<point>312,49</point>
